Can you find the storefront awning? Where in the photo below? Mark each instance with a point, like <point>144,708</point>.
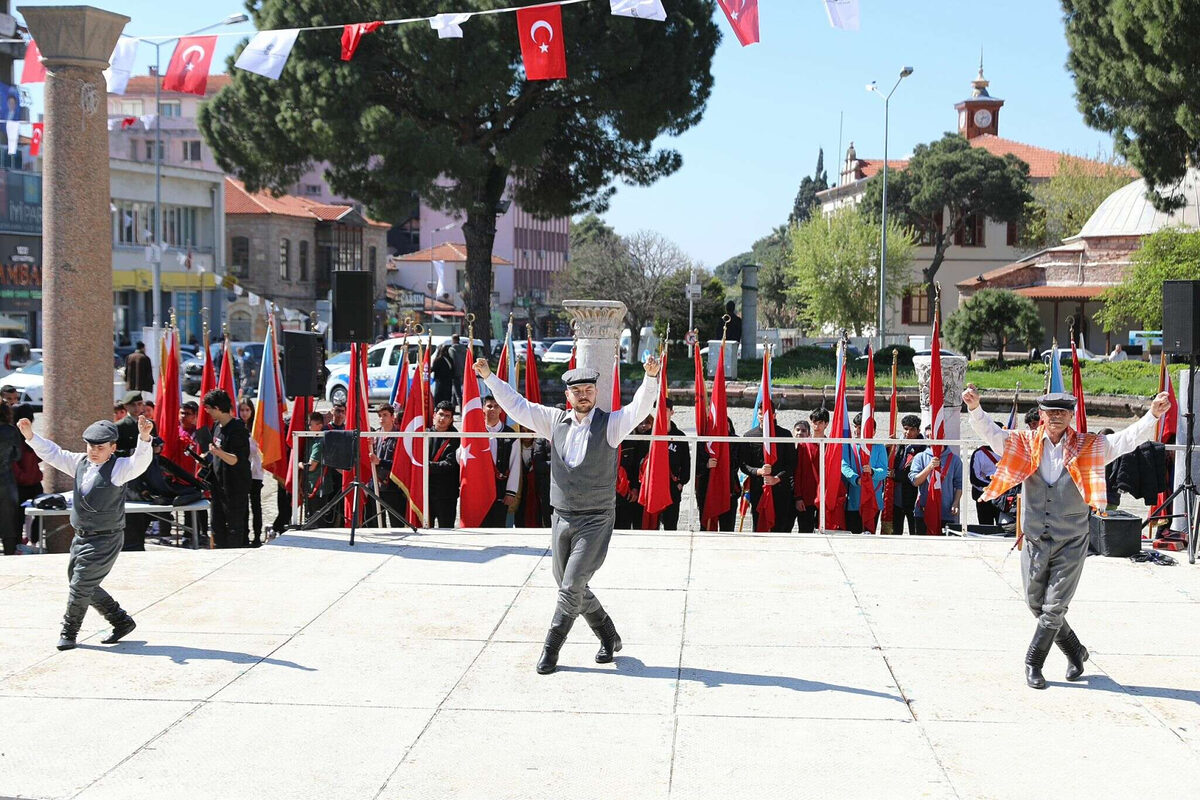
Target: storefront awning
<point>141,280</point>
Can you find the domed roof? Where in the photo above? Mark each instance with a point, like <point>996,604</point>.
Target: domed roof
<point>1127,212</point>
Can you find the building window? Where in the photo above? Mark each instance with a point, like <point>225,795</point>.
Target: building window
<point>240,327</point>
<point>1012,236</point>
<point>239,255</point>
<point>371,259</point>
<point>135,222</point>
<point>191,150</point>
<point>304,259</point>
<point>285,259</point>
<point>914,308</point>
<point>171,108</point>
<point>927,236</point>
<point>131,108</point>
<point>312,189</point>
<point>162,152</point>
<point>971,234</point>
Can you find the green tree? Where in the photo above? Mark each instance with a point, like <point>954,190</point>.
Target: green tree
<point>589,228</point>
<point>1135,66</point>
<point>994,318</point>
<point>456,121</point>
<point>806,197</point>
<point>1064,203</point>
<point>777,308</point>
<point>946,185</point>
<point>834,268</point>
<point>1170,254</point>
<point>706,312</point>
<point>729,272</point>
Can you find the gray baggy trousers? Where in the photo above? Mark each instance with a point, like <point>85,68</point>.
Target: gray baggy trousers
<point>1052,564</point>
<point>578,547</point>
<point>92,558</point>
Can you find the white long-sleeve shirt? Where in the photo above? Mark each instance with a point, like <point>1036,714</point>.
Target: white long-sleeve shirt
<point>1052,462</point>
<point>513,484</point>
<point>541,419</point>
<point>126,469</point>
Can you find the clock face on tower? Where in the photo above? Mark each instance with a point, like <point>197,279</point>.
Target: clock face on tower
<point>983,118</point>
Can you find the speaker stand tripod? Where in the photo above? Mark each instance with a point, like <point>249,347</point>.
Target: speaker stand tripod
<point>355,486</point>
<point>1188,487</point>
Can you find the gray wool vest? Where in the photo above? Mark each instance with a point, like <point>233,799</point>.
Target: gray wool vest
<point>591,486</point>
<point>102,508</point>
<point>1058,511</point>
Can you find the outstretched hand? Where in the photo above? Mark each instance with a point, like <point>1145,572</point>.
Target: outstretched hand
<point>145,427</point>
<point>1160,404</point>
<point>482,368</point>
<point>651,365</point>
<point>25,426</point>
<point>970,396</point>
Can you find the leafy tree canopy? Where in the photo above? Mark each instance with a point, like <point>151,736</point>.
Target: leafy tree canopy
<point>1064,203</point>
<point>806,197</point>
<point>994,318</point>
<point>1135,64</point>
<point>456,121</point>
<point>1170,254</point>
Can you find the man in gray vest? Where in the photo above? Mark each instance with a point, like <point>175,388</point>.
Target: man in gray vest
<point>98,516</point>
<point>1061,473</point>
<point>583,492</point>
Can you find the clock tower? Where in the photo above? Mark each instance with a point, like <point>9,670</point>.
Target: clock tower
<point>980,113</point>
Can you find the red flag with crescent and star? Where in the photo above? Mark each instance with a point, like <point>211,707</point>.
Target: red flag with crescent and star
<point>477,473</point>
<point>352,36</point>
<point>717,500</point>
<point>35,141</point>
<point>542,46</point>
<point>766,501</point>
<point>408,465</point>
<point>188,70</point>
<point>743,18</point>
<point>937,411</point>
<point>34,71</point>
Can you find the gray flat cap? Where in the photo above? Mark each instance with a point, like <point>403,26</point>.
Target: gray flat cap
<point>579,375</point>
<point>101,432</point>
<point>132,396</point>
<point>1057,401</point>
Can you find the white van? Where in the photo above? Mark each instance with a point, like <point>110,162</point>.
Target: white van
<point>383,359</point>
<point>14,353</point>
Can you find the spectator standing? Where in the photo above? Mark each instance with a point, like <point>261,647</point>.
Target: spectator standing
<point>230,451</point>
<point>458,352</point>
<point>778,476</point>
<point>442,369</point>
<point>10,455</point>
<point>633,455</point>
<point>1118,354</point>
<point>679,458</point>
<point>443,468</point>
<point>983,467</point>
<point>246,412</point>
<point>705,464</point>
<point>921,472</point>
<point>383,454</point>
<point>139,371</point>
<point>319,484</point>
<point>28,474</point>
<point>904,495</point>
<point>506,460</point>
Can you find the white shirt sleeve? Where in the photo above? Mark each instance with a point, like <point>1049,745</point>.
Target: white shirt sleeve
<point>988,430</point>
<point>55,456</point>
<point>1126,441</point>
<point>126,469</point>
<point>621,423</point>
<point>539,419</point>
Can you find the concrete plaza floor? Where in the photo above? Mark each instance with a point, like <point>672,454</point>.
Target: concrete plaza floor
<point>754,667</point>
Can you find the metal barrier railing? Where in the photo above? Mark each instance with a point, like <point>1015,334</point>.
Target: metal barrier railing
<point>823,442</point>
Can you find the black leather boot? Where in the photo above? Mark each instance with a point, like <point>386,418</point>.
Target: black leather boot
<point>610,640</point>
<point>1074,650</point>
<point>123,625</point>
<point>1035,657</point>
<point>70,629</point>
<point>554,642</point>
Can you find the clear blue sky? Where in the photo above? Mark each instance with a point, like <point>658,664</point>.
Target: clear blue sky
<point>775,103</point>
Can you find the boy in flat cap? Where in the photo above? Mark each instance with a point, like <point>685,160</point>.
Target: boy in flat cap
<point>583,480</point>
<point>1062,476</point>
<point>98,516</point>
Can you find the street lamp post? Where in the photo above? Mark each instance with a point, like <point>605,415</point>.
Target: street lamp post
<point>232,19</point>
<point>872,87</point>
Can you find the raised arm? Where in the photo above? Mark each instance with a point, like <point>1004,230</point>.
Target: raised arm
<point>126,469</point>
<point>1126,441</point>
<point>985,426</point>
<point>539,419</point>
<point>52,454</point>
<point>621,423</point>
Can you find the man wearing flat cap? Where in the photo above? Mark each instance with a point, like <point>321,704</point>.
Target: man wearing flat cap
<point>1062,475</point>
<point>583,479</point>
<point>98,516</point>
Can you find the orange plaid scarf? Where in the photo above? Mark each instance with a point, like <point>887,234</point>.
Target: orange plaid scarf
<point>1083,458</point>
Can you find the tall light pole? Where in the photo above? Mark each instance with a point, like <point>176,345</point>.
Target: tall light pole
<point>872,87</point>
<point>156,301</point>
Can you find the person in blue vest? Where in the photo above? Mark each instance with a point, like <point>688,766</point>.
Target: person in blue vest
<point>98,516</point>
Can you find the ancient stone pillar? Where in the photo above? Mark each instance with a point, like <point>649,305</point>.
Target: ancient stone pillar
<point>749,311</point>
<point>954,373</point>
<point>598,325</point>
<point>76,43</point>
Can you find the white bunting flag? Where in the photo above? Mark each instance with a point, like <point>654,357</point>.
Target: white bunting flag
<point>642,9</point>
<point>449,26</point>
<point>148,120</point>
<point>120,65</point>
<point>440,268</point>
<point>842,14</point>
<point>253,298</point>
<point>13,128</point>
<point>267,53</point>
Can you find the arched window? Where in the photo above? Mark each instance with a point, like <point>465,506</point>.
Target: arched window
<point>239,255</point>
<point>240,325</point>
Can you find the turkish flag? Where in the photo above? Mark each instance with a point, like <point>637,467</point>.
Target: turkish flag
<point>225,380</point>
<point>128,122</point>
<point>477,473</point>
<point>717,500</point>
<point>542,45</point>
<point>188,70</point>
<point>208,382</point>
<point>33,71</point>
<point>1077,390</point>
<point>409,462</point>
<point>766,501</point>
<point>833,493</point>
<point>352,35</point>
<point>743,18</point>
<point>933,499</point>
<point>301,408</point>
<point>655,493</point>
<point>35,141</point>
<point>356,420</point>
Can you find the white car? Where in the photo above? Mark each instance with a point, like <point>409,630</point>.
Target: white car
<point>558,353</point>
<point>383,361</point>
<point>28,381</point>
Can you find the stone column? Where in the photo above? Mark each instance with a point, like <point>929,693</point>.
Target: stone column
<point>598,325</point>
<point>954,374</point>
<point>749,311</point>
<point>76,43</point>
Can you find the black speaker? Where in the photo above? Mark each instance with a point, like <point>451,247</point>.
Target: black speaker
<point>303,358</point>
<point>1181,318</point>
<point>353,306</point>
<point>339,450</point>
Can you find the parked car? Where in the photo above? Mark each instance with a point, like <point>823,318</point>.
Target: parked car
<point>247,359</point>
<point>1064,355</point>
<point>383,361</point>
<point>558,353</point>
<point>539,349</point>
<point>29,380</point>
<point>14,353</point>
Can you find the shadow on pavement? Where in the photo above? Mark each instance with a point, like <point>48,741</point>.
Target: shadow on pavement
<point>181,655</point>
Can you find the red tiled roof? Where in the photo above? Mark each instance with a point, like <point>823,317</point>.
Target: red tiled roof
<point>1042,163</point>
<point>1061,292</point>
<point>451,252</point>
<point>144,85</point>
<point>871,167</point>
<point>238,200</point>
